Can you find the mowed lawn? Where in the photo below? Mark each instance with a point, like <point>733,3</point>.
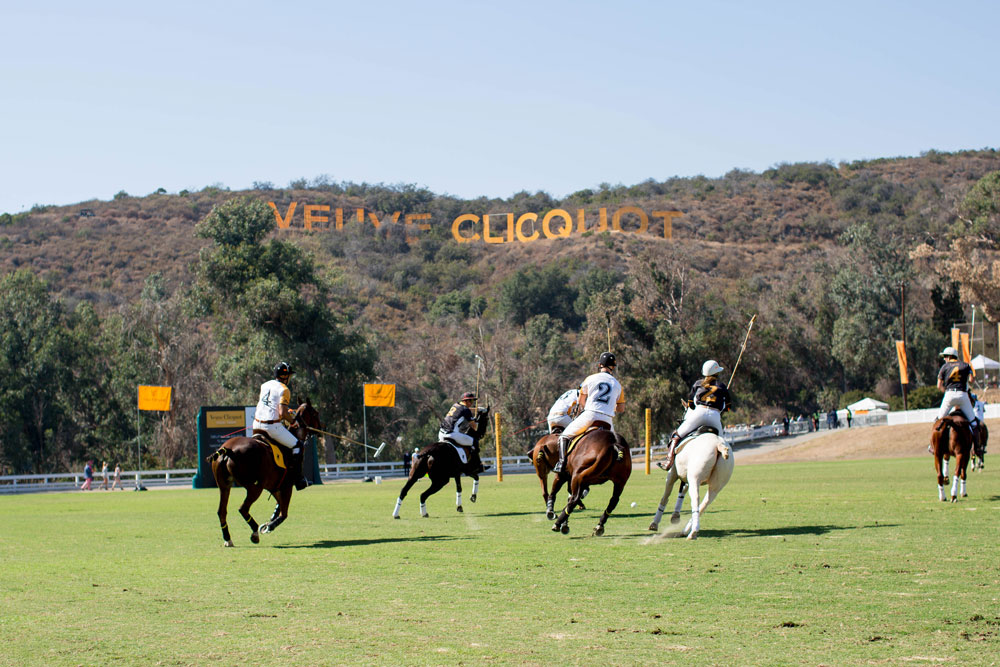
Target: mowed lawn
<point>813,563</point>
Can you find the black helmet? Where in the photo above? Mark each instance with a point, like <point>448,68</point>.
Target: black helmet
<point>607,360</point>
<point>282,370</point>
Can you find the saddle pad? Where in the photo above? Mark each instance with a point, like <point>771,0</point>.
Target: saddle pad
<point>461,452</point>
<point>279,458</point>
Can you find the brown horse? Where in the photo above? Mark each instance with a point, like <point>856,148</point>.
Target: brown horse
<point>440,461</point>
<point>544,456</point>
<point>979,447</point>
<point>599,456</point>
<point>951,437</point>
<point>249,463</point>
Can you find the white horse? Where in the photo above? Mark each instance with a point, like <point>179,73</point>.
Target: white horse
<point>706,459</point>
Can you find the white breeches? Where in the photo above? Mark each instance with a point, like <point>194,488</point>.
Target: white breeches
<point>456,436</point>
<point>584,420</point>
<point>559,421</point>
<point>701,415</point>
<point>956,399</point>
<point>278,433</point>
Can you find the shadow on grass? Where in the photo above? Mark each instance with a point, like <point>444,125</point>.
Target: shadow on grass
<point>334,544</point>
<point>787,530</point>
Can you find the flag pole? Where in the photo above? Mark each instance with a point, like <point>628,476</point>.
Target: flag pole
<point>364,413</point>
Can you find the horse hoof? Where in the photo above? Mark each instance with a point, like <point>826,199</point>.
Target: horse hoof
<point>654,526</point>
<point>693,535</point>
<point>424,516</point>
<point>395,516</point>
<point>459,509</point>
<point>580,505</point>
<point>598,531</point>
<point>255,538</point>
<point>472,498</point>
<point>227,543</point>
<point>675,518</point>
<point>550,515</point>
<point>954,499</point>
<point>564,529</point>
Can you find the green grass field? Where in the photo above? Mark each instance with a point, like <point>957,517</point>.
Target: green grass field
<point>819,563</point>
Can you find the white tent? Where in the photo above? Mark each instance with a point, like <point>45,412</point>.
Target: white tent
<point>981,363</point>
<point>867,405</point>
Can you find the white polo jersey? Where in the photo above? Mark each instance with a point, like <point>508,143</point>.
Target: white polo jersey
<point>564,404</point>
<point>604,392</point>
<point>272,394</point>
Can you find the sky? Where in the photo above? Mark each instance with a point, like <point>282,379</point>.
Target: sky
<point>476,98</point>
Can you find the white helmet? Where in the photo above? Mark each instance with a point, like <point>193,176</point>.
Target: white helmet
<point>949,352</point>
<point>711,367</point>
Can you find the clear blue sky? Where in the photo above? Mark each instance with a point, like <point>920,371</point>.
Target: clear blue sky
<point>477,98</point>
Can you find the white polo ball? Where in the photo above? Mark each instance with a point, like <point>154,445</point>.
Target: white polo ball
<point>634,503</point>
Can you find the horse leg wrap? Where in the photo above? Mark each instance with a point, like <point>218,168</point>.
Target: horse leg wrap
<point>458,499</point>
<point>395,512</point>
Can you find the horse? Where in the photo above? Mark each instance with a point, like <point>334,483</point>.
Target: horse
<point>250,463</point>
<point>600,455</point>
<point>441,462</point>
<point>544,456</point>
<point>979,447</point>
<point>951,437</point>
<point>698,462</point>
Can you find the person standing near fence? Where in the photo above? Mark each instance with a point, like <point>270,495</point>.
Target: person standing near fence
<point>88,476</point>
<point>118,478</point>
<point>104,475</point>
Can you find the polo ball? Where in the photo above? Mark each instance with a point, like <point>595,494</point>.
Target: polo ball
<point>634,503</point>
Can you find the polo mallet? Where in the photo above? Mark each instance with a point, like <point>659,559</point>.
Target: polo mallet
<point>378,450</point>
<point>742,348</point>
<point>608,315</point>
<point>478,360</point>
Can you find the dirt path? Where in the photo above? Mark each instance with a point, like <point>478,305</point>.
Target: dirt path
<point>874,442</point>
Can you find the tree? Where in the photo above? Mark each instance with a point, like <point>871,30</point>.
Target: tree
<point>36,355</point>
<point>268,303</point>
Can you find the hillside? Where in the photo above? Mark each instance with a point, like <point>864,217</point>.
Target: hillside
<point>817,251</point>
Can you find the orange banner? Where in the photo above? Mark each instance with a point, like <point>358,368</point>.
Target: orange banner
<point>966,357</point>
<point>955,343</point>
<point>380,395</point>
<point>904,377</point>
<point>154,398</point>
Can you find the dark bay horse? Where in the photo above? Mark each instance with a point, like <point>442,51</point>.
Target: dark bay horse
<point>951,437</point>
<point>979,447</point>
<point>441,463</point>
<point>249,463</point>
<point>544,456</point>
<point>599,456</point>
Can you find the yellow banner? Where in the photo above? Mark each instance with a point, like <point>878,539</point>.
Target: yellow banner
<point>380,395</point>
<point>955,339</point>
<point>154,398</point>
<point>225,419</point>
<point>966,357</point>
<point>904,377</point>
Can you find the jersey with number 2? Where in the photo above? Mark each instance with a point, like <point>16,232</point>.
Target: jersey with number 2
<point>603,393</point>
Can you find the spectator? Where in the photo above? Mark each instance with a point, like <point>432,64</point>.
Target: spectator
<point>784,424</point>
<point>848,418</point>
<point>88,476</point>
<point>407,457</point>
<point>118,478</point>
<point>104,475</point>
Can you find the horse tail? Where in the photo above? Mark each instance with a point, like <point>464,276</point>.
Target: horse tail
<point>220,453</point>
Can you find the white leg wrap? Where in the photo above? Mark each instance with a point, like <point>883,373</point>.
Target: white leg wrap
<point>944,469</point>
<point>399,503</point>
<point>940,492</point>
<point>475,486</point>
<point>423,509</point>
<point>954,486</point>
<point>961,486</point>
<point>458,499</point>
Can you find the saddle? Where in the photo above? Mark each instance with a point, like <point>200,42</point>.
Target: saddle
<point>264,439</point>
<point>597,425</point>
<point>701,430</point>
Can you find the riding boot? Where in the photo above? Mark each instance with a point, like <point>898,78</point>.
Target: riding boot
<point>561,464</point>
<point>298,454</point>
<point>671,449</point>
